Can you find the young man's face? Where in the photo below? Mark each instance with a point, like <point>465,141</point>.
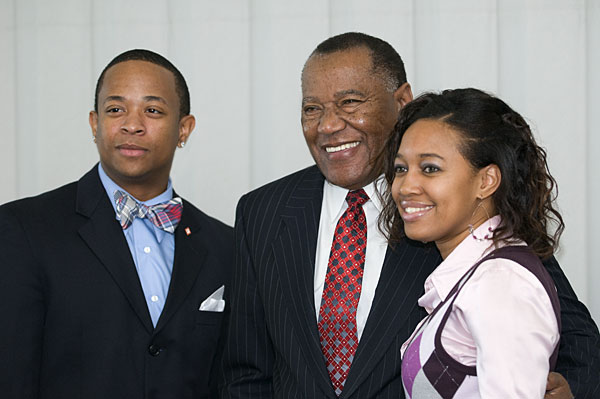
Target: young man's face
<point>138,126</point>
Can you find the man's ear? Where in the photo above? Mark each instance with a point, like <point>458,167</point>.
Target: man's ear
<point>93,118</point>
<point>490,179</point>
<point>402,96</point>
<point>186,126</point>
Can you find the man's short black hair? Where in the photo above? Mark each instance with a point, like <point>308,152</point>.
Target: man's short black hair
<point>146,55</point>
<point>386,61</point>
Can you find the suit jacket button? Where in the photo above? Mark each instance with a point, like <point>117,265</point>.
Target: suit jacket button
<point>154,350</point>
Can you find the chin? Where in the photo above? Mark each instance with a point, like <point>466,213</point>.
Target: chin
<point>347,179</point>
<point>417,236</point>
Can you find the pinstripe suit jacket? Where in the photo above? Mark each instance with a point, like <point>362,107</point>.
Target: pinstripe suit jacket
<point>273,348</point>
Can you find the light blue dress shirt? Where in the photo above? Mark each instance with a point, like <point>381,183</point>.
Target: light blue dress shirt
<point>152,249</point>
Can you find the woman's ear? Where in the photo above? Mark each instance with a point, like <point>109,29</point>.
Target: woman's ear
<point>490,178</point>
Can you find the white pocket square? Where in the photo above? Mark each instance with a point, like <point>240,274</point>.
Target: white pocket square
<point>215,302</point>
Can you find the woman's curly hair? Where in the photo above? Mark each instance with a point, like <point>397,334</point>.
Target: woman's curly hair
<point>492,133</point>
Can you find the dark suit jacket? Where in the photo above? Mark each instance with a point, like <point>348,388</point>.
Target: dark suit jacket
<point>75,322</point>
<point>273,347</point>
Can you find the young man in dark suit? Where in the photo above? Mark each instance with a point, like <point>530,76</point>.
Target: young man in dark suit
<point>290,274</point>
<point>112,286</point>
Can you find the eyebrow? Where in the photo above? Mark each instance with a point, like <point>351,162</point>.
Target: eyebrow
<point>349,91</point>
<point>145,98</point>
<point>431,155</point>
<point>113,98</point>
<point>426,155</point>
<point>337,95</point>
<point>309,100</point>
<point>155,98</point>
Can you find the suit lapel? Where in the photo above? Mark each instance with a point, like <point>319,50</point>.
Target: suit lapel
<point>401,284</point>
<point>188,261</point>
<point>294,252</point>
<point>103,234</point>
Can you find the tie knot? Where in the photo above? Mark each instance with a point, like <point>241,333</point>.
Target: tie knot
<point>356,198</point>
<point>165,215</point>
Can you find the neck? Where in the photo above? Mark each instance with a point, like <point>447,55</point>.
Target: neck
<point>142,188</point>
<point>448,245</point>
<point>144,192</point>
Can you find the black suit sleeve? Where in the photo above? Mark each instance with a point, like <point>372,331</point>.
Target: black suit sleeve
<point>248,358</point>
<point>579,352</point>
<point>21,311</point>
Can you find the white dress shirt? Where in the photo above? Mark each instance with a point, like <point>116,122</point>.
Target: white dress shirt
<point>333,206</point>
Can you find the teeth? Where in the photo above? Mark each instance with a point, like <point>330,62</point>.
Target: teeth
<point>414,210</point>
<point>342,147</point>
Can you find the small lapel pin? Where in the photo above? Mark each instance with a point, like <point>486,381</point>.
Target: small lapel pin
<point>188,231</point>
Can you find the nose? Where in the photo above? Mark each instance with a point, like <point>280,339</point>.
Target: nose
<point>330,121</point>
<point>132,123</point>
<point>406,185</point>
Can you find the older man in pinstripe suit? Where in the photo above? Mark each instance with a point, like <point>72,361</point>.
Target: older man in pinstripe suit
<point>281,343</point>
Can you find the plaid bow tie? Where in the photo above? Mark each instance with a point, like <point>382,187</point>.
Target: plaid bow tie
<point>165,216</point>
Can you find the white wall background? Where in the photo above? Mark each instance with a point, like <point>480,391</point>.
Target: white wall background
<point>242,60</point>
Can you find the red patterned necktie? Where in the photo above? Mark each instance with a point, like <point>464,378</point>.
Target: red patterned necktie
<point>343,284</point>
<point>165,215</point>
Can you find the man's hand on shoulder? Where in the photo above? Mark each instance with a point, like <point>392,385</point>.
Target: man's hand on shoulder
<point>557,387</point>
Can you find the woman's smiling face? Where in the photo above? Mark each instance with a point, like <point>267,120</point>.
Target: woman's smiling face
<point>435,188</point>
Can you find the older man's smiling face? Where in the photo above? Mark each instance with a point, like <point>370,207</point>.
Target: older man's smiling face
<point>347,115</point>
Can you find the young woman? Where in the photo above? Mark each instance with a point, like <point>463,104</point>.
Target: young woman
<point>465,173</point>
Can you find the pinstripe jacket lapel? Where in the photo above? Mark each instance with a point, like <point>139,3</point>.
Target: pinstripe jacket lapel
<point>294,251</point>
<point>405,268</point>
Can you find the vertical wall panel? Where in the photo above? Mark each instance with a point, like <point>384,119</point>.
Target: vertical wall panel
<point>456,44</point>
<point>28,87</point>
<point>282,36</point>
<point>391,20</point>
<point>542,64</point>
<point>210,45</point>
<point>52,93</point>
<point>591,235</point>
<point>121,25</point>
<point>8,117</point>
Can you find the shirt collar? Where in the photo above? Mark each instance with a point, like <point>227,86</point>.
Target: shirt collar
<point>334,197</point>
<point>111,187</point>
